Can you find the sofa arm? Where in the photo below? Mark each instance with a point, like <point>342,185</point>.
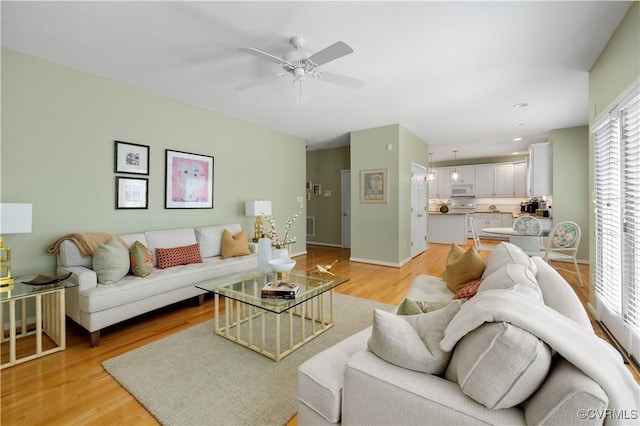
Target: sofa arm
<point>377,392</point>
<point>253,247</point>
<point>84,277</point>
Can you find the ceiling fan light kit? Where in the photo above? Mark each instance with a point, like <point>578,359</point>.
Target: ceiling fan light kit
<point>301,64</point>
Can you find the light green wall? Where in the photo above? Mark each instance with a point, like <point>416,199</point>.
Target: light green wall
<point>615,69</point>
<point>571,180</point>
<point>58,132</point>
<point>324,167</point>
<point>380,232</point>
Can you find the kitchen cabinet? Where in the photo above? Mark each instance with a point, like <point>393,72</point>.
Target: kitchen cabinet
<point>492,220</point>
<point>501,180</point>
<point>467,174</point>
<point>441,185</point>
<point>540,170</point>
<point>520,179</point>
<point>448,228</point>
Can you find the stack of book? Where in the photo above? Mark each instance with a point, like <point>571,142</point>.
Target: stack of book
<point>280,290</point>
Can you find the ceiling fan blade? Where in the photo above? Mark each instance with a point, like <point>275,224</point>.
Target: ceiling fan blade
<point>264,55</point>
<point>328,54</point>
<point>261,81</point>
<point>342,80</point>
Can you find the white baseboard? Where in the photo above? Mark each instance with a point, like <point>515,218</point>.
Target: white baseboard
<point>316,243</point>
<point>30,320</point>
<point>376,262</point>
<point>593,311</point>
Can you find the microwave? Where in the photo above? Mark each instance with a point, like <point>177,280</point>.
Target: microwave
<point>462,190</point>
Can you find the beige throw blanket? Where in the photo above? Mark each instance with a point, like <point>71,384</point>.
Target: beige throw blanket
<point>87,242</point>
<point>592,355</point>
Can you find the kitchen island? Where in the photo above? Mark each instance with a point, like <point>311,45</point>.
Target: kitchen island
<point>447,228</point>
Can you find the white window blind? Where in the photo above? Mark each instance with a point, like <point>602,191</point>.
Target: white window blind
<point>617,219</point>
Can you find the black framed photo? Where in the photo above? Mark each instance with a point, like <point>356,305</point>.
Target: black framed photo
<point>131,158</point>
<point>132,193</point>
<point>189,181</point>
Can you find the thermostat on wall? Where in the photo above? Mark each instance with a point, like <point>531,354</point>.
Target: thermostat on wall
<point>327,193</point>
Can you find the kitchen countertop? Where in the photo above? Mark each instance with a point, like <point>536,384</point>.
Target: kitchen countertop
<point>446,214</point>
<point>496,212</point>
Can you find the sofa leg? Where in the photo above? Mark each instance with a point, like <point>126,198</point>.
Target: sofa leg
<point>201,300</point>
<point>95,338</point>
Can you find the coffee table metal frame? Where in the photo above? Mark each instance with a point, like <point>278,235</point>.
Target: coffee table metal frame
<point>50,317</point>
<point>312,307</point>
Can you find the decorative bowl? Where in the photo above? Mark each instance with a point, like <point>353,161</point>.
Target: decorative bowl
<point>282,265</point>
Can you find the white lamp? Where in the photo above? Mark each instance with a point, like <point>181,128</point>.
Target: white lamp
<point>455,176</point>
<point>257,208</point>
<point>15,218</point>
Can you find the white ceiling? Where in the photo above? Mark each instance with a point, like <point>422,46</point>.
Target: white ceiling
<point>449,72</point>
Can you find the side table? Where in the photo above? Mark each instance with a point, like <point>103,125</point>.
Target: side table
<point>49,318</point>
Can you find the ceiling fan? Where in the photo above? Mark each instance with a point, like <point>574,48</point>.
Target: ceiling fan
<point>301,64</point>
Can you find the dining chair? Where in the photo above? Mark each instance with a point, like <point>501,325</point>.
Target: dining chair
<point>562,246</point>
<point>527,225</point>
<point>476,236</point>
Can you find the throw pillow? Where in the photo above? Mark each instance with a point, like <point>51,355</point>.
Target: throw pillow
<point>462,268</point>
<point>455,253</point>
<point>111,262</point>
<point>141,259</point>
<point>412,307</point>
<point>499,365</point>
<point>175,256</point>
<point>468,291</point>
<point>412,342</point>
<point>235,245</point>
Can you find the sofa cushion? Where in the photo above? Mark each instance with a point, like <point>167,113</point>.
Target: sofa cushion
<point>141,259</point>
<point>111,262</point>
<point>412,341</point>
<point>130,239</point>
<point>462,267</point>
<point>513,277</point>
<point>564,393</point>
<point>507,253</point>
<point>499,365</point>
<point>234,245</point>
<point>210,238</point>
<point>176,256</point>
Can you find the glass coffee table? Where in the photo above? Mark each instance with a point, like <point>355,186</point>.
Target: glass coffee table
<point>273,327</point>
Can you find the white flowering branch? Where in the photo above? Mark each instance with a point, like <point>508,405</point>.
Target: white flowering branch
<point>272,233</point>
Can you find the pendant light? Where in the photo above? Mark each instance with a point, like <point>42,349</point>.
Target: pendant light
<point>455,176</point>
<point>431,176</point>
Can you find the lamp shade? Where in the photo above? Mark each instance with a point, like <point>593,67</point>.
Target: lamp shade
<point>15,218</point>
<point>257,208</point>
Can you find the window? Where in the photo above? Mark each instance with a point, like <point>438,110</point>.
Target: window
<point>617,218</point>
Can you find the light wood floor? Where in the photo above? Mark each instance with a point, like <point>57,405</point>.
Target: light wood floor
<point>70,387</point>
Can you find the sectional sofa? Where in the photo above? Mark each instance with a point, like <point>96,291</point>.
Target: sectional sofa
<point>517,349</point>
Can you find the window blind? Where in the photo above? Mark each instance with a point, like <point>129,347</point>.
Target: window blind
<point>617,218</point>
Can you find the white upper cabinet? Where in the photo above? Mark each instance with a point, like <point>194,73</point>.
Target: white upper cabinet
<point>441,185</point>
<point>540,170</point>
<point>484,181</point>
<point>467,174</point>
<point>520,179</point>
<point>503,180</point>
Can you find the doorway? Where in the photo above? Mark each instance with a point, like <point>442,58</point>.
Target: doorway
<point>418,209</point>
<point>345,177</point>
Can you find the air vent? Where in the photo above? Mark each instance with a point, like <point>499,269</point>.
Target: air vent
<point>311,226</point>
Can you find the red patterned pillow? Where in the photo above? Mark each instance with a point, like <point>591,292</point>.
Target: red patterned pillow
<point>168,257</point>
<point>469,290</point>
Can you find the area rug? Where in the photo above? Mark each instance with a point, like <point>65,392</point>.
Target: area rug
<point>197,378</point>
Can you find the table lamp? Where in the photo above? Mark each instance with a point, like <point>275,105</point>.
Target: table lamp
<point>15,218</point>
<point>257,208</point>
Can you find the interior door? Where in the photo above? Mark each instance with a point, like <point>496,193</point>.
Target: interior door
<point>345,176</point>
<point>418,209</point>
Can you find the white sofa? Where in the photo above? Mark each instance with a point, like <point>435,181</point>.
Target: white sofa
<point>347,383</point>
<point>95,306</point>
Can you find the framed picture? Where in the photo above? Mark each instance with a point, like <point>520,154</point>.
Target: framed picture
<point>308,186</point>
<point>132,193</point>
<point>317,189</point>
<point>373,186</point>
<point>131,158</point>
<point>189,181</point>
